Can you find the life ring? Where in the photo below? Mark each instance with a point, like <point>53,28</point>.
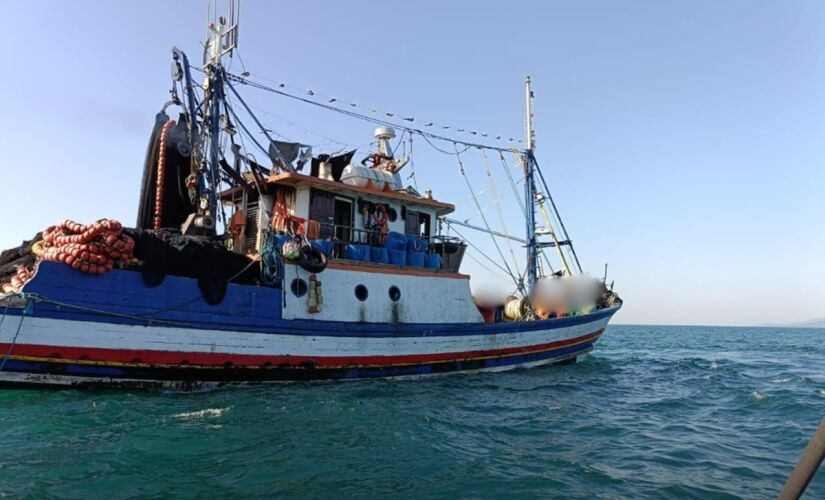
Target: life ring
<point>379,215</point>
<point>311,259</point>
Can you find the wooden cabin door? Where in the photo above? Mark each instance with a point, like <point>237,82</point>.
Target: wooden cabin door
<point>322,209</point>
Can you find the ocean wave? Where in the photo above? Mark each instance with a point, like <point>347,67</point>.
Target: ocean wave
<point>200,414</point>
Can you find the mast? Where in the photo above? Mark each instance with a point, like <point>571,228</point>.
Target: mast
<point>221,40</point>
<point>530,188</point>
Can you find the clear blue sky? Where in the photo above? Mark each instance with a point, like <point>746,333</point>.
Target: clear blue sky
<point>683,139</point>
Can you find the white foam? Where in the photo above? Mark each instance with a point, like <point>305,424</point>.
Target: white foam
<point>713,365</point>
<point>758,396</point>
<point>205,413</point>
<point>781,380</point>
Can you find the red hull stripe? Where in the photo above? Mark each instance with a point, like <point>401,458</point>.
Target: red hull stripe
<point>92,355</point>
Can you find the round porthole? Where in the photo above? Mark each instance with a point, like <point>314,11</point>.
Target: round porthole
<point>392,215</point>
<point>361,293</point>
<point>299,287</point>
<point>395,294</point>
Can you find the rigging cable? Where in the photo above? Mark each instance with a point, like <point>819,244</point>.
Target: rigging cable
<point>556,210</point>
<point>498,208</point>
<point>277,150</point>
<point>548,222</point>
<point>506,168</point>
<point>479,250</point>
<point>428,135</point>
<point>486,224</point>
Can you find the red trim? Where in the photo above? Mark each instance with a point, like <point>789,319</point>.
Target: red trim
<point>217,359</point>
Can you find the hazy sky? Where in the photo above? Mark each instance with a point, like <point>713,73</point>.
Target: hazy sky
<point>683,140</point>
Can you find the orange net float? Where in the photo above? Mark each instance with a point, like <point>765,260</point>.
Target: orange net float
<point>17,280</point>
<point>92,249</point>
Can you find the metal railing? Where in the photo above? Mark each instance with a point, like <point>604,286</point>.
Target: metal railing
<point>450,248</point>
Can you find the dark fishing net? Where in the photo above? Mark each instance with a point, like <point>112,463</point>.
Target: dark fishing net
<point>19,256</point>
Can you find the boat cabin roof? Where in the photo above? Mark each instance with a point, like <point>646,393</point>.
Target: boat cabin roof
<point>295,179</point>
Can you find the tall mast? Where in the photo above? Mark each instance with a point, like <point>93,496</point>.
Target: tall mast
<point>221,40</point>
<point>530,188</point>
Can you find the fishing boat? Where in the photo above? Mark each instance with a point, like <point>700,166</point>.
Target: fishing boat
<point>288,265</point>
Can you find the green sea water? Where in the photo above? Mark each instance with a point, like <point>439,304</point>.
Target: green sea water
<point>654,412</point>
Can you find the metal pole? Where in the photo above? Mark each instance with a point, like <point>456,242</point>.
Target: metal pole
<point>808,464</point>
<point>214,135</point>
<point>530,189</point>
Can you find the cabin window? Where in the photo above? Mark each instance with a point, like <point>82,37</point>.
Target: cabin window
<point>361,293</point>
<point>395,293</point>
<point>417,223</point>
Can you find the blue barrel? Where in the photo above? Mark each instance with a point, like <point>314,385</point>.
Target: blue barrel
<point>358,252</point>
<point>416,244</point>
<point>379,255</point>
<point>395,241</point>
<point>416,259</point>
<point>433,261</point>
<point>398,257</point>
<point>325,246</point>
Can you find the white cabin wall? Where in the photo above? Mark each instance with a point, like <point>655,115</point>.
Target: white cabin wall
<point>424,299</point>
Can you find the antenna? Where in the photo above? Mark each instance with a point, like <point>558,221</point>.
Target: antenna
<point>221,31</point>
<point>530,134</point>
<point>530,188</point>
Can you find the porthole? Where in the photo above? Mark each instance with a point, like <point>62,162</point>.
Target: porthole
<point>392,215</point>
<point>395,294</point>
<point>299,287</point>
<point>361,293</point>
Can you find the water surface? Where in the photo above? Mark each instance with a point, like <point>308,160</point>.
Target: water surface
<point>655,412</point>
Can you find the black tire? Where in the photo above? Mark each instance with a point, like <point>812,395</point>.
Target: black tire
<point>311,259</point>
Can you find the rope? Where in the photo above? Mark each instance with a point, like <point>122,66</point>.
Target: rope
<point>470,255</point>
<point>478,250</point>
<point>498,209</point>
<point>287,165</point>
<point>484,218</point>
<point>341,102</point>
<point>512,183</point>
<point>271,270</point>
<point>556,211</point>
<point>506,168</point>
<point>352,114</point>
<point>148,320</point>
